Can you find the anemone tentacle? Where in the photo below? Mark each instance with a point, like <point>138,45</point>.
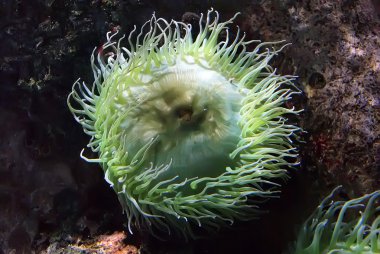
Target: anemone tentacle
<point>351,226</point>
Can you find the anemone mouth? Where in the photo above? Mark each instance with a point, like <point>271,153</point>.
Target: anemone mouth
<point>185,115</point>
<point>189,118</point>
<point>173,113</point>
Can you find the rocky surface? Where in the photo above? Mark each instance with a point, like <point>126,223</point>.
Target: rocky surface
<point>336,54</point>
<point>53,202</point>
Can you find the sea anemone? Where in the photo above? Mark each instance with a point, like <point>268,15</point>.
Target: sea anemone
<point>190,130</point>
<point>342,227</point>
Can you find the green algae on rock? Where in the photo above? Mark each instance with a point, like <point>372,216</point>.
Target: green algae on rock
<point>190,131</point>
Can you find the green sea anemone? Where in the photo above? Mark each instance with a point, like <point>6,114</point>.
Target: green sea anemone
<point>190,131</point>
<point>344,227</point>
